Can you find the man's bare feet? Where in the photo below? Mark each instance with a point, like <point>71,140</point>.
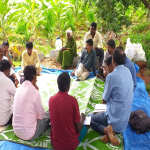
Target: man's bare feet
<point>110,134</point>
<point>106,139</point>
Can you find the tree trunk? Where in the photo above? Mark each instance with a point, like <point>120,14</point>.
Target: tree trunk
<point>145,2</point>
<point>148,15</point>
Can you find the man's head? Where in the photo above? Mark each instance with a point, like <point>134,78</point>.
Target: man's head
<point>30,74</point>
<point>111,46</point>
<point>1,52</point>
<point>29,47</point>
<point>5,44</point>
<point>118,57</point>
<point>93,28</point>
<point>109,66</point>
<point>89,45</point>
<point>5,67</point>
<point>69,34</point>
<point>119,48</point>
<point>63,82</point>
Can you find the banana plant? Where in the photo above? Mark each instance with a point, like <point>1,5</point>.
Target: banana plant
<point>49,22</point>
<point>23,30</point>
<point>4,9</point>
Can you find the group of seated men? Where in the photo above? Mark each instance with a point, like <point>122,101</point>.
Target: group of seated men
<point>29,118</point>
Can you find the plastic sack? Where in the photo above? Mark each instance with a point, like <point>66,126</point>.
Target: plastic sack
<point>135,51</point>
<point>140,55</point>
<point>130,50</point>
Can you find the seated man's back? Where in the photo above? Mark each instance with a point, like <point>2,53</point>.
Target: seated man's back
<point>27,108</point>
<point>64,112</point>
<point>119,101</point>
<point>67,125</point>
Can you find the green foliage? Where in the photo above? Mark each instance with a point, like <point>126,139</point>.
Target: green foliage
<point>148,88</point>
<point>17,63</point>
<point>136,15</point>
<point>49,24</point>
<point>142,38</point>
<point>112,15</point>
<point>23,29</point>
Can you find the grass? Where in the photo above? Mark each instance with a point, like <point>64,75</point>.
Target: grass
<point>148,88</point>
<point>140,34</point>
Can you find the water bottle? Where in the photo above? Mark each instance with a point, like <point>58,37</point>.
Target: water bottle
<point>58,44</point>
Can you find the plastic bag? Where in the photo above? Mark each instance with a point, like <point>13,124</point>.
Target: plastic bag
<point>130,50</point>
<point>135,51</point>
<point>140,55</point>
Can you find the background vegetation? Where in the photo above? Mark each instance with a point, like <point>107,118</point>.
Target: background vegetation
<point>42,21</point>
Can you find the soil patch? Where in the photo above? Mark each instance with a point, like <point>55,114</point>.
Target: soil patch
<point>51,63</point>
<point>144,74</point>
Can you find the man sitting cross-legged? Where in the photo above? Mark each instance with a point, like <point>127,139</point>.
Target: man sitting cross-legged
<point>128,63</point>
<point>29,120</point>
<point>7,89</point>
<point>118,96</point>
<point>30,57</point>
<point>67,124</point>
<point>86,62</point>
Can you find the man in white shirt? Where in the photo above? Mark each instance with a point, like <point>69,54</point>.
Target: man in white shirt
<point>97,41</point>
<point>7,89</point>
<point>12,72</point>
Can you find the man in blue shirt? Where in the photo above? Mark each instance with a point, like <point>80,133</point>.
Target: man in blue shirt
<point>86,62</point>
<point>118,96</point>
<point>129,64</point>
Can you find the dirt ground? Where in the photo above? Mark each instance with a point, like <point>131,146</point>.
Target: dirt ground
<point>50,62</point>
<point>144,74</point>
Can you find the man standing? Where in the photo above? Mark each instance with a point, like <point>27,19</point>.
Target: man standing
<point>118,96</point>
<point>7,89</point>
<point>30,57</point>
<point>67,124</point>
<point>12,73</point>
<point>97,41</point>
<point>86,62</point>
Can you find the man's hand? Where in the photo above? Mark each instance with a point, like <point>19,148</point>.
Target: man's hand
<point>96,48</point>
<point>36,87</point>
<point>16,82</point>
<point>63,48</point>
<point>99,76</point>
<point>105,73</point>
<point>73,73</point>
<point>82,117</point>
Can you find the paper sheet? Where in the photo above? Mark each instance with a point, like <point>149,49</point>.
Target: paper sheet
<point>87,121</point>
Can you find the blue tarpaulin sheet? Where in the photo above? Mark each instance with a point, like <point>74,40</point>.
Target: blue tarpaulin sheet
<point>58,72</point>
<point>132,140</point>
